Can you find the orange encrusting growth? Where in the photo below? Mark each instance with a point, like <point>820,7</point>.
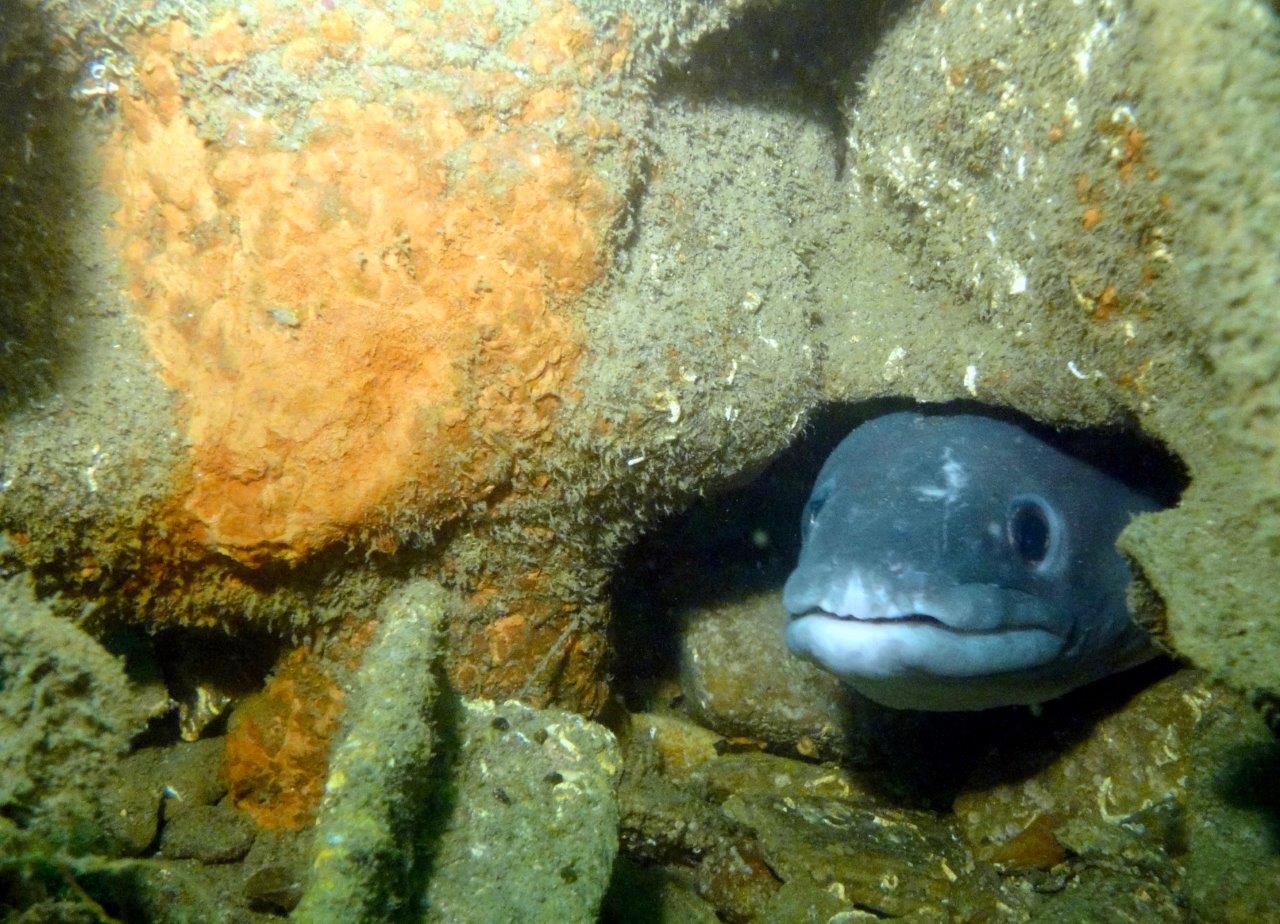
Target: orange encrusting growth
<point>278,740</point>
<point>357,321</point>
<point>277,745</point>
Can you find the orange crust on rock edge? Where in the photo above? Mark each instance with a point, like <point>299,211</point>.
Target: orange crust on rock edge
<point>276,751</point>
<point>356,323</point>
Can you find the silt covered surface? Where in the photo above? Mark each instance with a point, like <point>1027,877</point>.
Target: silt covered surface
<point>442,288</point>
<point>300,301</point>
<point>1068,252</point>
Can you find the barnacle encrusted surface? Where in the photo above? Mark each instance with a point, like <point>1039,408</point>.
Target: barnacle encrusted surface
<point>300,297</point>
<point>533,829</point>
<point>1074,249</point>
<point>361,294</point>
<point>487,287</point>
<point>299,301</point>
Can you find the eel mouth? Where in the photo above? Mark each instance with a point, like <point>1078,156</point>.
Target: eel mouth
<point>906,618</point>
<point>971,609</point>
<point>910,643</point>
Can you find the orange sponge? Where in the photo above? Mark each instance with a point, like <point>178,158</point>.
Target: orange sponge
<point>356,322</point>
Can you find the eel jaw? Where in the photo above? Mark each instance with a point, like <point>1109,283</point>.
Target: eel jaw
<point>900,618</point>
<point>917,644</point>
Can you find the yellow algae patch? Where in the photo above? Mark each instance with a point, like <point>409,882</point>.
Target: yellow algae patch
<point>355,321</point>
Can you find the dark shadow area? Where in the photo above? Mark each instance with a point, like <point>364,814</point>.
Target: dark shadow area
<point>437,799</point>
<point>796,56</point>
<point>1248,781</point>
<point>744,542</point>
<point>38,198</point>
<point>205,672</point>
<point>635,894</point>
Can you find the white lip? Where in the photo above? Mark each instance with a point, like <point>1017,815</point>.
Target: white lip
<point>861,597</point>
<point>880,648</point>
<point>915,617</point>
<point>970,609</point>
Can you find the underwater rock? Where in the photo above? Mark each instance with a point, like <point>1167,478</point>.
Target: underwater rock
<point>1231,822</point>
<point>739,678</point>
<point>892,863</point>
<point>1000,202</point>
<point>208,833</point>
<point>273,889</point>
<point>1211,73</point>
<point>447,315</point>
<point>662,897</point>
<point>664,816</point>
<point>274,873</point>
<point>529,820</point>
<point>679,745</point>
<point>1165,791</point>
<point>1103,774</point>
<point>67,713</point>
<point>133,818</point>
<point>1069,258</point>
<point>185,775</point>
<point>761,835</point>
<point>1153,797</point>
<point>42,884</point>
<point>296,299</point>
<point>356,270</point>
<point>501,380</point>
<point>669,821</point>
<point>159,784</point>
<point>278,742</point>
<point>1110,895</point>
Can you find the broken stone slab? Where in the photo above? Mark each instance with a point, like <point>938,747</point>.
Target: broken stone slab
<point>208,833</point>
<point>532,824</point>
<point>450,809</point>
<point>739,679</point>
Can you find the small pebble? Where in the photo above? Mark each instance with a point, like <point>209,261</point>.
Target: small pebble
<point>208,833</point>
<point>274,889</point>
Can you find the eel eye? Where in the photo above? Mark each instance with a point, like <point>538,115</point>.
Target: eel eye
<point>817,500</point>
<point>1030,530</point>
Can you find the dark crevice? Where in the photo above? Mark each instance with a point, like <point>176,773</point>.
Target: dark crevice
<point>741,542</point>
<point>435,801</point>
<point>801,57</point>
<point>1246,782</point>
<point>745,541</point>
<point>188,661</point>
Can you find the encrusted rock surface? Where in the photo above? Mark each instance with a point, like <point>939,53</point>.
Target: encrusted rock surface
<point>1075,250</point>
<point>738,678</point>
<point>671,232</point>
<point>300,302</point>
<point>67,712</point>
<point>208,833</point>
<point>532,822</point>
<point>379,770</point>
<point>1072,819</point>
